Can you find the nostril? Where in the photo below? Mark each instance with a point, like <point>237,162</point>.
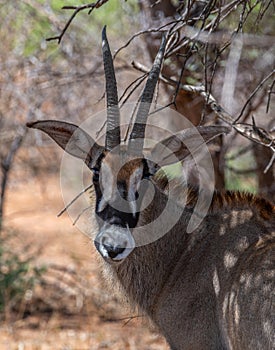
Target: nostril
<point>114,243</point>
<point>113,251</point>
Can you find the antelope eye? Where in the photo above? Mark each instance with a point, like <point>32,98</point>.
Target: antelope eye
<point>146,175</point>
<point>146,172</point>
<point>95,174</point>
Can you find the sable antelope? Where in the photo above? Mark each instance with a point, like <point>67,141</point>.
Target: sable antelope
<point>208,289</point>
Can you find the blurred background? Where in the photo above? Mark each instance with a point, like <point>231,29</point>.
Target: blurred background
<point>51,292</point>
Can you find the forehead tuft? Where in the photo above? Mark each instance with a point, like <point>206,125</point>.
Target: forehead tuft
<point>131,167</point>
<point>121,165</point>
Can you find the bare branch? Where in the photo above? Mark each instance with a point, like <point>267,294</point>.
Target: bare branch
<point>76,9</point>
<point>74,199</point>
<point>81,213</point>
<point>137,82</point>
<point>147,31</point>
<point>270,91</point>
<point>250,131</point>
<point>6,166</point>
<point>255,133</point>
<point>259,86</point>
<point>272,160</point>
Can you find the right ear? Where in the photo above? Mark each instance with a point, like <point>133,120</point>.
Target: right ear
<point>179,146</point>
<point>71,138</point>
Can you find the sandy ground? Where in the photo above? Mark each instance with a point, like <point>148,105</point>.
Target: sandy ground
<point>73,309</point>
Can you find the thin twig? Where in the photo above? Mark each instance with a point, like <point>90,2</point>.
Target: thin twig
<point>6,166</point>
<point>272,160</point>
<point>101,128</point>
<point>81,213</point>
<point>259,86</point>
<point>255,133</point>
<point>76,9</point>
<point>269,95</point>
<point>136,83</point>
<point>132,118</point>
<point>74,199</point>
<point>249,131</point>
<point>147,31</point>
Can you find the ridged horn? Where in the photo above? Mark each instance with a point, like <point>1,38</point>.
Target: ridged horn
<point>113,116</point>
<point>137,135</point>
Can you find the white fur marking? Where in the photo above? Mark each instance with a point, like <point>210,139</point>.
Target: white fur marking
<point>216,282</point>
<point>229,260</point>
<point>134,184</point>
<point>107,186</point>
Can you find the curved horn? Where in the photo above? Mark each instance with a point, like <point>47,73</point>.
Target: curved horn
<point>145,102</point>
<point>113,116</point>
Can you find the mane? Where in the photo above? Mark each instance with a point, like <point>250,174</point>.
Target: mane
<point>237,199</point>
<point>188,195</point>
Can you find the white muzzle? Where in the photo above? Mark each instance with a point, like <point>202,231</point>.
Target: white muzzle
<point>114,243</point>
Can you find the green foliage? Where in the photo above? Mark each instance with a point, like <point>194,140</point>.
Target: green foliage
<point>237,174</point>
<point>57,5</point>
<point>26,26</point>
<point>17,276</point>
<point>173,171</point>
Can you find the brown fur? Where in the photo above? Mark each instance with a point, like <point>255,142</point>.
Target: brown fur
<point>221,199</point>
<point>172,280</point>
<point>210,289</point>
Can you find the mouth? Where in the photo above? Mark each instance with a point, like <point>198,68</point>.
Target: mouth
<point>114,243</point>
<point>111,254</point>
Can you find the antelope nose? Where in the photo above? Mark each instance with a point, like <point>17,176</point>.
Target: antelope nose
<point>113,251</point>
<point>114,243</point>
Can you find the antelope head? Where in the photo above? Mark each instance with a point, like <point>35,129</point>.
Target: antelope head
<point>121,172</point>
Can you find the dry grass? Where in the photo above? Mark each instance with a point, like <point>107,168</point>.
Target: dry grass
<point>70,308</point>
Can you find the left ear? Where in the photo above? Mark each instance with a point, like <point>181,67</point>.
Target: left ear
<point>71,138</point>
<point>177,147</point>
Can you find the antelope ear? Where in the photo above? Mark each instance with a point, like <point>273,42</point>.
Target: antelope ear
<point>71,138</point>
<point>177,147</point>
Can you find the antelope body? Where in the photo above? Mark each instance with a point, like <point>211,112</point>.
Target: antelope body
<point>212,288</point>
